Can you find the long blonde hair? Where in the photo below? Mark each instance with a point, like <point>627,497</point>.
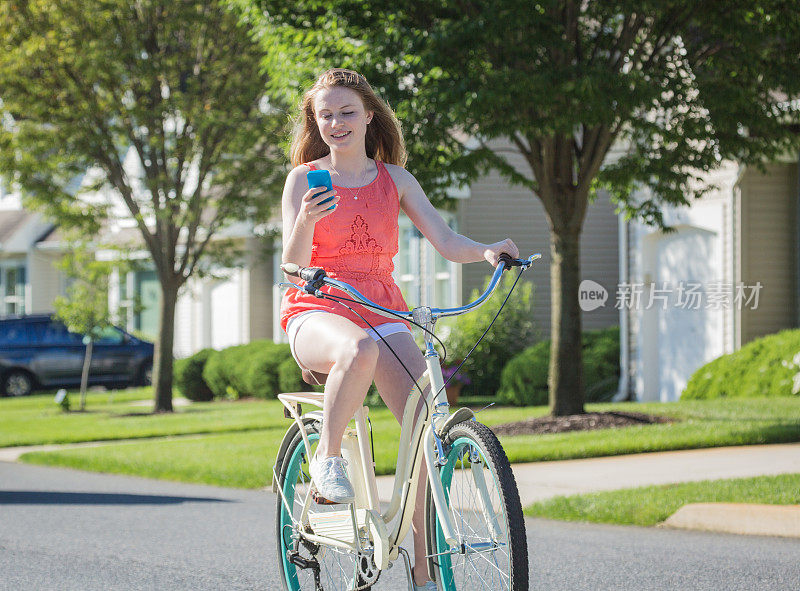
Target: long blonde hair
<point>384,139</point>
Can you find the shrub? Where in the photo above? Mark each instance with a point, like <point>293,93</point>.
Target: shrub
<point>290,379</point>
<point>524,378</point>
<point>512,332</point>
<point>523,381</point>
<point>769,366</point>
<point>373,399</point>
<point>601,370</point>
<point>188,375</point>
<point>214,374</point>
<point>246,370</point>
<point>239,362</point>
<point>260,370</point>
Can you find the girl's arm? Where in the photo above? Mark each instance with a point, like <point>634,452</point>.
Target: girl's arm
<point>301,210</point>
<point>449,244</point>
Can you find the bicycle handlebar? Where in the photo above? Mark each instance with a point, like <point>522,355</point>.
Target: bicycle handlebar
<point>315,278</point>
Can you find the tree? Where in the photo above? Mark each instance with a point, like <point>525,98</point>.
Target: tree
<point>84,310</point>
<point>179,83</point>
<point>678,85</point>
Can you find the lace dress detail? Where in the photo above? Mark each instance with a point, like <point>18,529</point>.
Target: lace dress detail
<point>356,243</point>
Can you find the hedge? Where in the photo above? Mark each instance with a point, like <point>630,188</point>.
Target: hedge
<point>769,366</point>
<point>246,370</point>
<point>188,374</point>
<point>260,369</point>
<point>523,381</point>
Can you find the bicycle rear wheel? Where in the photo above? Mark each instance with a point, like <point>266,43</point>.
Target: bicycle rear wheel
<point>337,566</point>
<point>483,500</point>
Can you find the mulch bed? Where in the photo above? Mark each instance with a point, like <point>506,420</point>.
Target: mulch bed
<point>585,422</point>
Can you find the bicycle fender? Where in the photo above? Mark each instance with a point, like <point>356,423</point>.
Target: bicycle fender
<point>461,415</point>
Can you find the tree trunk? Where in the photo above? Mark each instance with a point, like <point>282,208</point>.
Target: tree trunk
<point>163,362</point>
<point>87,362</point>
<point>565,379</point>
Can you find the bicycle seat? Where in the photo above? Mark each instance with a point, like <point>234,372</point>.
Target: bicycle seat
<point>314,378</point>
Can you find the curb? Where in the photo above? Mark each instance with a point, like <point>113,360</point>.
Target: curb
<point>738,518</point>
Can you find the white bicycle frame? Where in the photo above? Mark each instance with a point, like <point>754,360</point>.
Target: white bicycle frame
<point>341,529</point>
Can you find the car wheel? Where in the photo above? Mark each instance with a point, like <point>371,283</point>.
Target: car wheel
<point>146,373</point>
<point>17,383</point>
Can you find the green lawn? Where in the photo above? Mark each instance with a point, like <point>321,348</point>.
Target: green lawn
<point>242,460</point>
<point>111,415</point>
<point>653,504</point>
<point>233,443</point>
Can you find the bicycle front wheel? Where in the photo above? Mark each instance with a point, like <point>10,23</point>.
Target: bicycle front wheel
<point>483,501</point>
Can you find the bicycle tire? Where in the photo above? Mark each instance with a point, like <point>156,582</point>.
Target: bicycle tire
<point>337,568</point>
<point>506,566</point>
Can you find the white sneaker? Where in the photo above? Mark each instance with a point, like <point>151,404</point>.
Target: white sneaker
<point>331,480</point>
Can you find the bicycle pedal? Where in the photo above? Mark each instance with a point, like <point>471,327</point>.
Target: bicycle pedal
<point>320,500</point>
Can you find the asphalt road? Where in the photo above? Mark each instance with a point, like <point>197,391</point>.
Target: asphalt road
<point>68,530</point>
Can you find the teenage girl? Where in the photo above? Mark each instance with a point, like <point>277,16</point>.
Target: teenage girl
<point>346,129</point>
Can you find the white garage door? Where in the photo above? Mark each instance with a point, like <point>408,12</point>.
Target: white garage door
<point>689,333</point>
<point>225,313</point>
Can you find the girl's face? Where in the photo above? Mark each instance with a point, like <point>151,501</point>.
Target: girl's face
<point>341,117</point>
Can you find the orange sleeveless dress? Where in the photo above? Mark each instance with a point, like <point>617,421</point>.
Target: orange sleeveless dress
<point>356,244</point>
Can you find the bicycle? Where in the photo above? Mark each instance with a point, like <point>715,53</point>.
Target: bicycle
<point>475,532</point>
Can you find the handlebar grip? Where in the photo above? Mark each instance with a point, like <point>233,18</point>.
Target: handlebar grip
<point>312,274</point>
<point>510,261</point>
<point>291,269</point>
<point>307,274</point>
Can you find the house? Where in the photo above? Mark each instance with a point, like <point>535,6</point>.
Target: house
<point>25,259</point>
<point>241,304</point>
<point>727,274</point>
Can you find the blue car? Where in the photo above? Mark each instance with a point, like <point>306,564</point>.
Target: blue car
<point>37,351</point>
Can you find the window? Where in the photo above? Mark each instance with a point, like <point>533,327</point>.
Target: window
<point>137,300</point>
<point>148,291</point>
<point>12,289</point>
<point>54,333</point>
<point>425,277</point>
<point>111,336</point>
<point>407,262</point>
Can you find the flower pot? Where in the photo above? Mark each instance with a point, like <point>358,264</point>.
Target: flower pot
<point>453,391</point>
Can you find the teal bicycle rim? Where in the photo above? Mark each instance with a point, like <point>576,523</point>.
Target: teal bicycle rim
<point>286,524</point>
<point>444,560</point>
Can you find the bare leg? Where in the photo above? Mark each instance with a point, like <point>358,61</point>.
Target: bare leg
<point>394,385</point>
<point>331,344</point>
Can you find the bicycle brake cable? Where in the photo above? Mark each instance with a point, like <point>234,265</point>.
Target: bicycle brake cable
<point>510,291</point>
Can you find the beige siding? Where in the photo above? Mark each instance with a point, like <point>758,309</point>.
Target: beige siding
<point>497,210</point>
<point>769,248</point>
<point>44,280</point>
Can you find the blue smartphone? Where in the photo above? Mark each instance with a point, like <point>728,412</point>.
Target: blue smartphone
<point>320,178</point>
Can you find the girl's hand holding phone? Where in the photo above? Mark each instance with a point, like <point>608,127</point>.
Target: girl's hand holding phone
<point>317,203</point>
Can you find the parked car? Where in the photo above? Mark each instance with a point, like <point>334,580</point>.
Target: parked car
<point>37,351</point>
